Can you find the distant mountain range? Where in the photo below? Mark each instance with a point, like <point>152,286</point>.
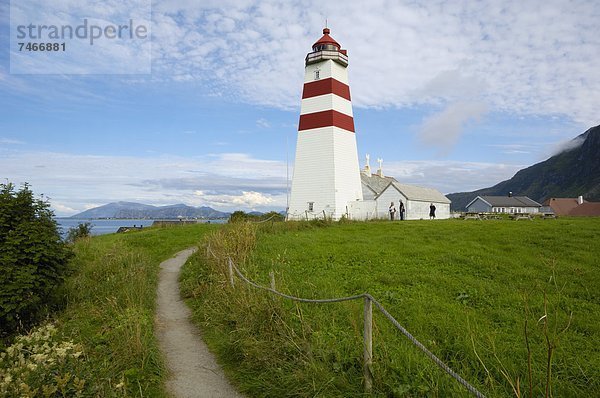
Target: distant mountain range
<point>138,210</point>
<point>573,172</point>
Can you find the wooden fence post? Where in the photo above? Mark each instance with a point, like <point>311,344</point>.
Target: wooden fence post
<point>230,268</point>
<point>368,345</point>
<point>272,277</point>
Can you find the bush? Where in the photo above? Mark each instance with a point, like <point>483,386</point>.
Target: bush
<point>240,216</point>
<point>39,364</point>
<point>83,230</point>
<point>33,259</point>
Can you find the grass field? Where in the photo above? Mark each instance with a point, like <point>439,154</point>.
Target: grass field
<point>107,315</point>
<point>465,289</point>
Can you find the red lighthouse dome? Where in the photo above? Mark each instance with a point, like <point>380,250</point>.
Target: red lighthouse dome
<point>326,42</point>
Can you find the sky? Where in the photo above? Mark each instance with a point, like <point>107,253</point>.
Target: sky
<point>202,107</point>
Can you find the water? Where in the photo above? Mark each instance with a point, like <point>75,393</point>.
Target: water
<point>101,227</point>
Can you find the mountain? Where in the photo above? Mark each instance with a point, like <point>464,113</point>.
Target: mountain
<point>138,210</point>
<point>573,172</point>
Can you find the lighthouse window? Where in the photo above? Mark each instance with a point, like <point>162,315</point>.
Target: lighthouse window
<point>311,206</point>
<point>317,75</point>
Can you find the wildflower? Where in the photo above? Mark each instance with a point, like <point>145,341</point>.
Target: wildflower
<point>39,357</point>
<point>78,383</point>
<point>49,391</point>
<point>61,352</point>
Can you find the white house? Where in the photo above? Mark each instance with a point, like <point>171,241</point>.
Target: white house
<point>503,204</point>
<point>379,191</point>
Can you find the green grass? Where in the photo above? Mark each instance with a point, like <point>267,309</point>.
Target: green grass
<point>109,305</point>
<point>463,288</point>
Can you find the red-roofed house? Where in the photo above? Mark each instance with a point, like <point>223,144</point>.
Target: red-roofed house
<point>563,206</point>
<point>587,209</point>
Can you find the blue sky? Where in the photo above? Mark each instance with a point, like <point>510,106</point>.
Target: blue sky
<point>452,95</point>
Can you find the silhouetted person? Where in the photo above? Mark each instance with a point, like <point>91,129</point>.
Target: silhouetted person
<point>432,212</point>
<point>401,210</point>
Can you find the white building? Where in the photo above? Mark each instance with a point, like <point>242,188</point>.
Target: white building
<point>379,191</point>
<point>326,171</point>
<point>503,204</point>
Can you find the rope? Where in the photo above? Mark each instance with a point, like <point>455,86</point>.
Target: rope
<point>261,221</point>
<point>431,355</point>
<point>300,299</point>
<point>381,308</point>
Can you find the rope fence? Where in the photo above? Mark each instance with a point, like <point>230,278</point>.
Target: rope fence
<point>368,325</point>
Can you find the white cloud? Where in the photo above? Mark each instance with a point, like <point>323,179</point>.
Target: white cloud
<point>10,141</point>
<point>567,145</point>
<point>74,183</point>
<point>451,176</point>
<point>514,55</point>
<point>442,130</point>
<point>88,50</point>
<point>247,199</point>
<point>263,123</point>
<point>77,182</point>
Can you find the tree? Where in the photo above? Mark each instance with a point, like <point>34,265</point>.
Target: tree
<point>82,230</point>
<point>239,216</point>
<point>33,258</point>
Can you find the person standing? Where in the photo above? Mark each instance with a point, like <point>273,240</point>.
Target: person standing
<point>432,212</point>
<point>392,211</point>
<point>401,210</point>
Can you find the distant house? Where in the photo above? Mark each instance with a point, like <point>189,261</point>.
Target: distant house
<point>586,209</point>
<point>571,207</point>
<point>379,191</point>
<point>503,204</point>
<point>561,206</point>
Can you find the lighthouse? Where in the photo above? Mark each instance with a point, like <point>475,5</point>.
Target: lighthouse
<point>326,170</point>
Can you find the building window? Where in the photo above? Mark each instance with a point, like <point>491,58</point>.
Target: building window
<point>311,206</point>
<point>317,74</point>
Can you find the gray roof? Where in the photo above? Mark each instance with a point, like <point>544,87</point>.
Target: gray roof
<point>375,183</point>
<point>509,201</point>
<point>412,192</point>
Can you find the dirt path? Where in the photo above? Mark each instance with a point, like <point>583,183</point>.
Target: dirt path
<point>193,371</point>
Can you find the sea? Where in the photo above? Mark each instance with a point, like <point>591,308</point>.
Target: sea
<point>103,226</point>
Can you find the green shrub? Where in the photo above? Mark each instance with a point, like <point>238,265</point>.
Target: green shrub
<point>33,259</point>
<point>240,216</point>
<point>39,364</point>
<point>83,230</point>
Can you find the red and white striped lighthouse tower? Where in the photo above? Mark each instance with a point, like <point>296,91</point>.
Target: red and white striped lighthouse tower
<point>326,171</point>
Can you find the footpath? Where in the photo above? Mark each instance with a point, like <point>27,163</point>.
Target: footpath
<point>193,370</point>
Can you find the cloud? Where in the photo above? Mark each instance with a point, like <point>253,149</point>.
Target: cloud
<point>515,56</point>
<point>247,199</point>
<point>515,149</point>
<point>81,27</point>
<point>230,181</point>
<point>10,141</point>
<point>263,123</point>
<point>442,130</point>
<point>451,176</point>
<point>78,182</point>
<point>564,146</point>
